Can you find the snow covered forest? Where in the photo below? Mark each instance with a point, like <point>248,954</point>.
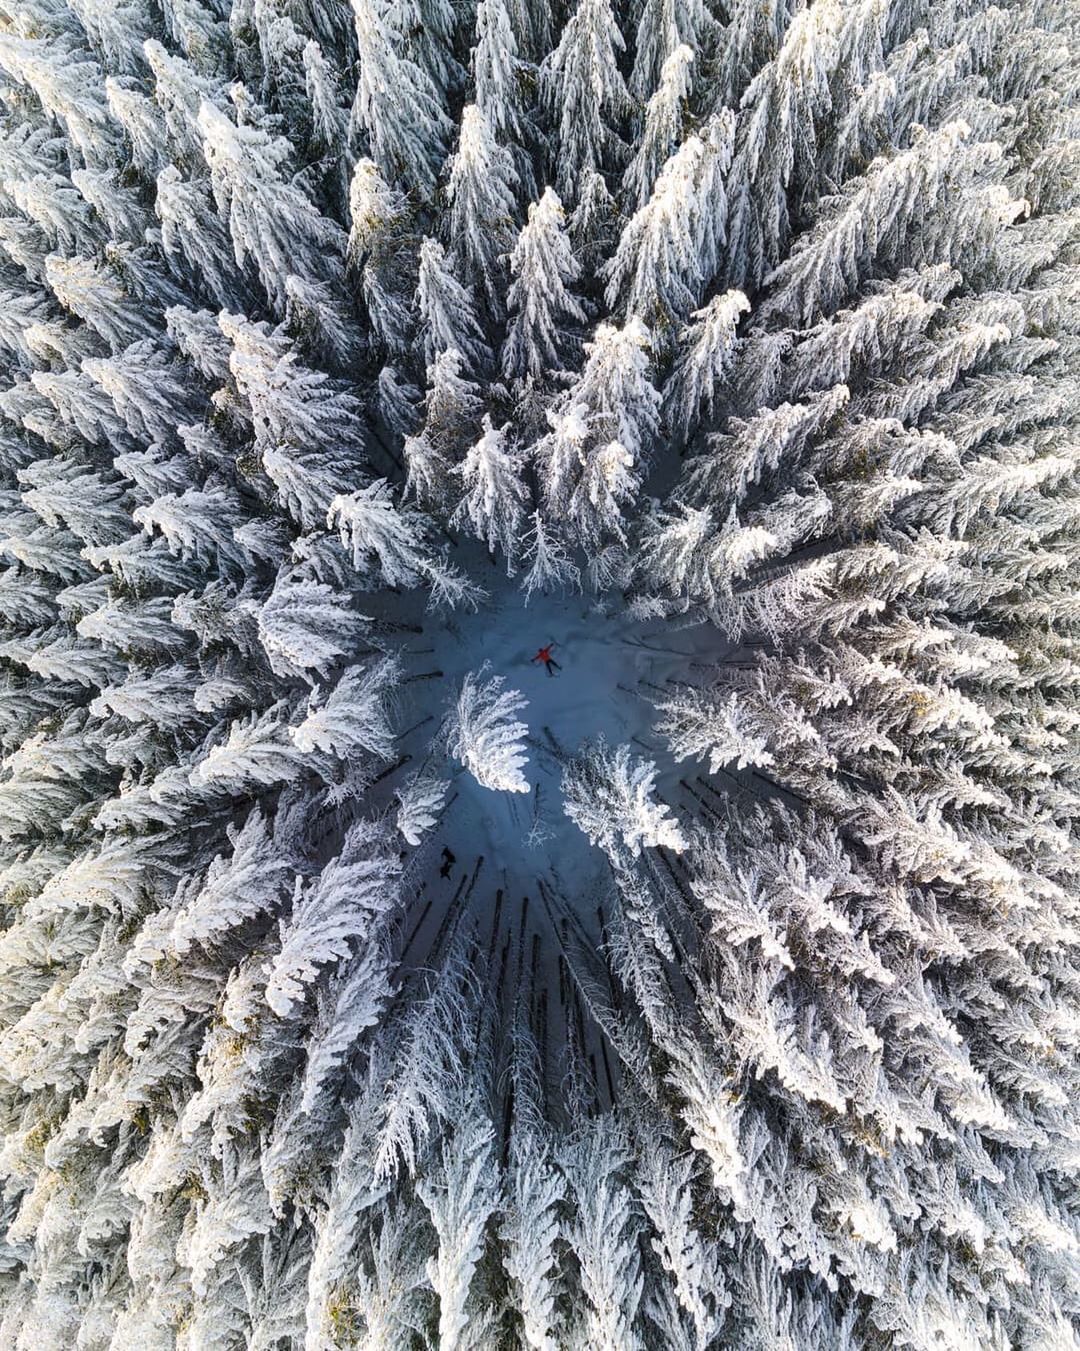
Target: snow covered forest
<point>364,983</point>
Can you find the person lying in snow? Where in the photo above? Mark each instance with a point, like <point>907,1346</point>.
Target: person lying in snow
<point>549,661</point>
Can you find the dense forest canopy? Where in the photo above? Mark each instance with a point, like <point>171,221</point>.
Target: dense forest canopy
<point>365,982</point>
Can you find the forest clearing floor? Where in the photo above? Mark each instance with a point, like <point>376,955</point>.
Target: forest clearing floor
<point>513,865</point>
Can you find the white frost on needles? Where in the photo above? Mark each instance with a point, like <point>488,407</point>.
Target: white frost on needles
<point>485,736</point>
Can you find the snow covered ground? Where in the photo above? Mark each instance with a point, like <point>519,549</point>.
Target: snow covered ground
<point>610,666</point>
<point>520,867</point>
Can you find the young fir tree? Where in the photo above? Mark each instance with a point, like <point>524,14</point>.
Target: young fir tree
<point>485,737</point>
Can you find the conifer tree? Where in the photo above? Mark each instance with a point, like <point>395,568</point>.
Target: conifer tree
<point>543,268</point>
<point>494,495</point>
<point>586,94</point>
<point>377,252</point>
<point>480,188</point>
<point>662,132</point>
<point>499,71</point>
<point>484,736</point>
<point>448,321</point>
<point>271,222</point>
<point>397,102</point>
